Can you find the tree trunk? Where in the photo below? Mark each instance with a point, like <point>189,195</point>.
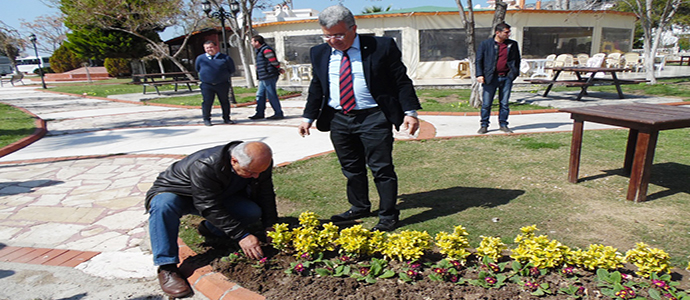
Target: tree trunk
<point>468,23</point>
<point>499,15</point>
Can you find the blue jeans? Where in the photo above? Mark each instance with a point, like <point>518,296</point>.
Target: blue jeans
<point>267,89</point>
<point>504,85</point>
<point>164,222</point>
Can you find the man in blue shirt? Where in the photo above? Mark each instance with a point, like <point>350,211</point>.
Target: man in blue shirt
<point>214,70</point>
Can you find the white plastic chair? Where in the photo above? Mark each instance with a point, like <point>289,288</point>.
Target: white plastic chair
<point>632,61</point>
<point>660,65</point>
<point>613,60</point>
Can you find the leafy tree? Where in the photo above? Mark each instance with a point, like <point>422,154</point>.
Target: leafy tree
<point>10,43</point>
<point>654,17</point>
<point>97,43</point>
<point>63,60</point>
<point>50,30</point>
<point>136,17</point>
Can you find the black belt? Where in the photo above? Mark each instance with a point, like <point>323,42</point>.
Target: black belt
<point>502,75</point>
<point>355,112</point>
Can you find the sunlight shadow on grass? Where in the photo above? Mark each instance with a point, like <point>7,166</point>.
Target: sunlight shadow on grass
<point>449,201</point>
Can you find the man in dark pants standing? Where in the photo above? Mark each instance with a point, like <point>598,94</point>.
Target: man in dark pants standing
<point>498,64</point>
<point>214,70</point>
<point>267,72</point>
<point>359,91</point>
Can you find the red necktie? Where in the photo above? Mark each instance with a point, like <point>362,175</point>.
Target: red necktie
<point>347,94</point>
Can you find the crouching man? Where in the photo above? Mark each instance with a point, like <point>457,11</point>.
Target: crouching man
<point>229,185</point>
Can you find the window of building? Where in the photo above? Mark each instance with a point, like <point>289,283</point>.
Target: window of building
<point>446,44</point>
<point>538,42</point>
<point>396,35</point>
<point>297,48</point>
<point>615,40</point>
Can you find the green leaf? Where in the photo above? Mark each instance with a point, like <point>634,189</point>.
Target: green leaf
<point>323,272</point>
<point>654,293</point>
<point>538,292</point>
<point>370,280</point>
<point>403,276</point>
<point>388,274</point>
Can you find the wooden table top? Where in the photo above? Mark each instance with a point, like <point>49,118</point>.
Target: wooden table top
<point>587,69</point>
<point>651,115</point>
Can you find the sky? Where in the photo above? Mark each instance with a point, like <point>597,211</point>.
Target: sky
<point>12,11</point>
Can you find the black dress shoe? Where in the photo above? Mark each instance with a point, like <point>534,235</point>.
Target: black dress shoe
<point>256,117</point>
<point>228,121</point>
<point>208,123</point>
<point>349,216</point>
<point>172,282</point>
<point>275,117</point>
<point>385,225</point>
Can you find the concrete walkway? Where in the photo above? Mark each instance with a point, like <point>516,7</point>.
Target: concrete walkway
<point>74,198</point>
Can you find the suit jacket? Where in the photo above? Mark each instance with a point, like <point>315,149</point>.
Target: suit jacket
<point>385,74</point>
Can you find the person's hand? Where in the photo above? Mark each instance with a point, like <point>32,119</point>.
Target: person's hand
<point>411,124</point>
<point>251,247</point>
<point>304,128</point>
<point>480,79</point>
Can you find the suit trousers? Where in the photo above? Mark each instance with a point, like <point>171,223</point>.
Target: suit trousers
<point>208,92</point>
<point>362,139</point>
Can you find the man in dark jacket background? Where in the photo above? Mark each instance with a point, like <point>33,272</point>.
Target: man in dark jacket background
<point>214,69</point>
<point>497,64</point>
<point>229,185</point>
<point>267,72</point>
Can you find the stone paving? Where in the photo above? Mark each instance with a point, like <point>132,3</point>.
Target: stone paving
<point>82,186</point>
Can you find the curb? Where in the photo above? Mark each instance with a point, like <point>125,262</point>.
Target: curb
<point>38,133</point>
<point>211,284</point>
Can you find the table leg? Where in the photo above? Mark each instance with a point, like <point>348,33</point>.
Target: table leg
<point>630,150</point>
<point>548,88</point>
<point>617,84</point>
<point>642,165</point>
<point>575,150</point>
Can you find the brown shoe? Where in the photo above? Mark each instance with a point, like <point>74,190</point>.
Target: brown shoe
<point>172,282</point>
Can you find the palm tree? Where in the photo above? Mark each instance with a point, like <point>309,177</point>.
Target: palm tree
<point>375,9</point>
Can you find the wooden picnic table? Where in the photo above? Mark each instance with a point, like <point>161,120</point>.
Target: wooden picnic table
<point>158,79</point>
<point>644,121</point>
<point>588,80</point>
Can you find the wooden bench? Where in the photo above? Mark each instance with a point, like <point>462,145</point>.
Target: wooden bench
<point>568,83</point>
<point>158,79</point>
<point>15,77</point>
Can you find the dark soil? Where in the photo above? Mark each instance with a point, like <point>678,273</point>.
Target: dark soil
<point>271,281</point>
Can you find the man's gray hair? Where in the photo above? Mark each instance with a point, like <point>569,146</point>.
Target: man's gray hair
<point>335,14</point>
<point>241,155</point>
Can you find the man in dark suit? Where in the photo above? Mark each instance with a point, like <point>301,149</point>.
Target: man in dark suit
<point>359,91</point>
<point>214,69</point>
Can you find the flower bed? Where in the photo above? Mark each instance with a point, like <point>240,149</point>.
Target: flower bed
<point>354,263</point>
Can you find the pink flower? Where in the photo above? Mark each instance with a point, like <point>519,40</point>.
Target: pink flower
<point>568,271</point>
<point>660,284</point>
<point>494,267</point>
<point>456,263</point>
<point>263,260</point>
<point>440,271</point>
<point>531,285</point>
<point>454,278</point>
<point>490,280</point>
<point>412,273</point>
<point>534,272</point>
<point>299,268</point>
<point>364,271</point>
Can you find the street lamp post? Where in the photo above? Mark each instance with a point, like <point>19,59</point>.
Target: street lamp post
<point>222,15</point>
<point>32,38</point>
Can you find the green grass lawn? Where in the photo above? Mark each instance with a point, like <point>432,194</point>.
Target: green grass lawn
<point>14,125</point>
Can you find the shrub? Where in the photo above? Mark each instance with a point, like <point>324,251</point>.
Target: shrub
<point>64,60</point>
<point>118,67</point>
